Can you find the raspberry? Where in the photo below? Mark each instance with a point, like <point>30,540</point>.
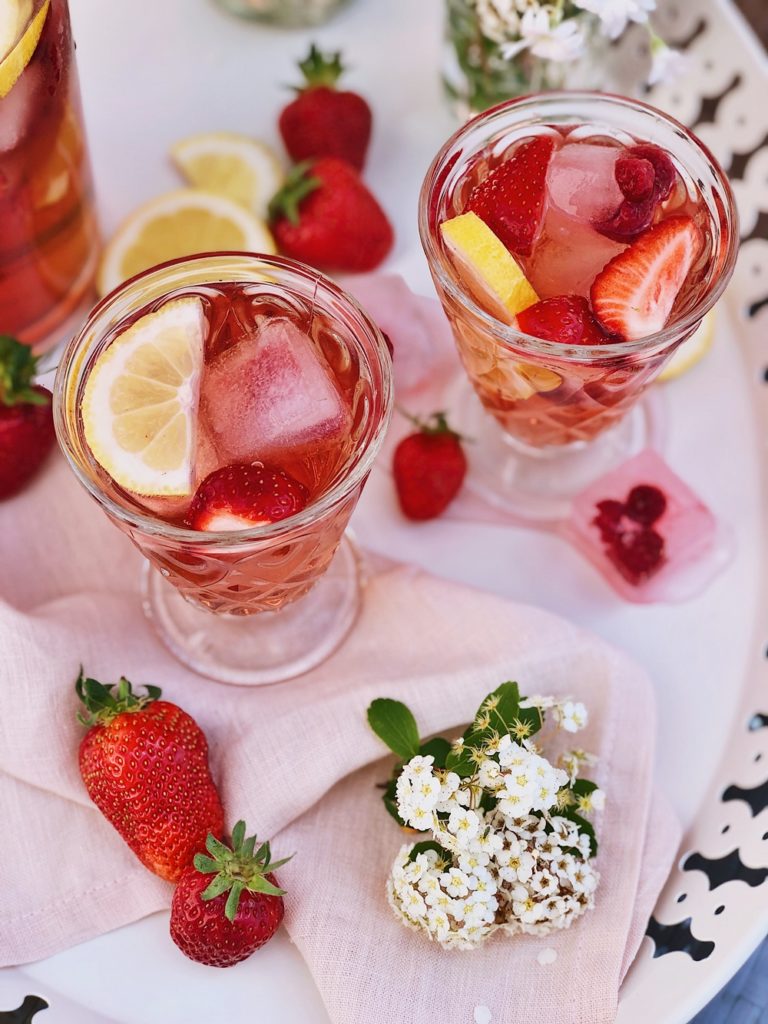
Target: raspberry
<point>635,176</point>
<point>608,518</point>
<point>637,554</point>
<point>645,504</point>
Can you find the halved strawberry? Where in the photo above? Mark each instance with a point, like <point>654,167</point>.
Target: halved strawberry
<point>239,497</point>
<point>564,318</point>
<point>634,293</point>
<point>511,199</point>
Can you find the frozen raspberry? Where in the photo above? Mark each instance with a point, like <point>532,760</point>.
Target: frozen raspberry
<point>637,211</point>
<point>635,177</point>
<point>608,518</point>
<point>663,168</point>
<point>637,554</point>
<point>645,504</point>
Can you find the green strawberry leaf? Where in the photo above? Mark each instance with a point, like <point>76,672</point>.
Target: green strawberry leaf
<point>205,865</point>
<point>217,886</point>
<point>395,725</point>
<point>233,900</point>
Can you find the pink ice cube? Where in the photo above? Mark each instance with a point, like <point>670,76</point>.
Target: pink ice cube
<point>582,183</point>
<point>692,548</point>
<point>272,395</point>
<point>568,256</point>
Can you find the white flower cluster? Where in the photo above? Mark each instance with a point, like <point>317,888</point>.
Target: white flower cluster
<point>542,29</point>
<point>520,866</point>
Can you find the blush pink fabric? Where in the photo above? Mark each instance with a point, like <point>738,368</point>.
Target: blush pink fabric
<point>298,762</point>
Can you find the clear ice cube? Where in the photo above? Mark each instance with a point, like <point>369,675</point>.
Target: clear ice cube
<point>582,183</point>
<point>270,396</point>
<point>568,256</point>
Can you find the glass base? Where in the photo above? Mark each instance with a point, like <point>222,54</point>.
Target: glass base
<point>269,647</point>
<point>539,484</point>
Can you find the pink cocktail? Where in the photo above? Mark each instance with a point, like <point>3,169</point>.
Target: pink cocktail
<point>293,388</point>
<point>624,231</point>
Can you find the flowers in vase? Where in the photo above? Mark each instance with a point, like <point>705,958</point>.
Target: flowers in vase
<point>508,47</point>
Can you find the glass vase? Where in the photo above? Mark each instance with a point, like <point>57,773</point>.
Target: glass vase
<point>477,75</point>
<point>288,13</point>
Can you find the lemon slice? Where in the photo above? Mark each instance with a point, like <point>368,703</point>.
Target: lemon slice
<point>140,402</point>
<point>180,223</point>
<point>490,270</point>
<point>692,350</point>
<point>14,56</point>
<point>235,166</point>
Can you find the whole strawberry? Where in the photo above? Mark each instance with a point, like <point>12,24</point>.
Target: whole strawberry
<point>144,762</point>
<point>220,921</point>
<point>429,468</point>
<point>322,121</point>
<point>325,216</point>
<point>26,420</point>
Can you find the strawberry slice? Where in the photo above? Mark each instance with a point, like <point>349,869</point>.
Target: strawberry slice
<point>634,293</point>
<point>511,199</point>
<point>564,318</point>
<point>240,497</point>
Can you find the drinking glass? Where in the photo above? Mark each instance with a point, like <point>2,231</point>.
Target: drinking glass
<point>549,418</point>
<point>270,602</point>
<point>48,231</point>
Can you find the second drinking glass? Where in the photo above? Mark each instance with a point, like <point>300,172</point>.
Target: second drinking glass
<point>575,240</point>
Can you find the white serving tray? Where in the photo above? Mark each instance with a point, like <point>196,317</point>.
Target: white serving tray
<point>153,72</point>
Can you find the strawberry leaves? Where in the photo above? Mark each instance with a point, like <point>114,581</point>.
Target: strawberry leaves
<point>103,703</point>
<point>17,370</point>
<point>237,868</point>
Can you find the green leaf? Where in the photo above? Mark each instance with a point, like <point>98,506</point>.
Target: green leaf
<point>391,806</point>
<point>217,886</point>
<point>394,724</point>
<point>248,847</point>
<point>583,787</point>
<point>216,848</point>
<point>233,900</point>
<point>279,863</point>
<point>461,762</point>
<point>438,748</point>
<point>430,844</point>
<point>586,827</point>
<point>238,835</point>
<point>205,865</point>
<point>262,884</point>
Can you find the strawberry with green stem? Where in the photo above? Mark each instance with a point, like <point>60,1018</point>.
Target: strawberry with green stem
<point>325,216</point>
<point>222,920</point>
<point>429,467</point>
<point>323,120</point>
<point>26,418</point>
<point>144,763</point>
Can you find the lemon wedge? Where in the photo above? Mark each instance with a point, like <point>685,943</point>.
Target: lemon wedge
<point>15,55</point>
<point>140,403</point>
<point>692,350</point>
<point>181,223</point>
<point>231,165</point>
<point>490,270</point>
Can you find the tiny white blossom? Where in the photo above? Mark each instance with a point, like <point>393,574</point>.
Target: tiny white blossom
<point>667,64</point>
<point>571,716</point>
<point>615,15</point>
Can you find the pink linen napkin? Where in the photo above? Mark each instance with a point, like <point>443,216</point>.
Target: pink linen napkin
<point>298,762</point>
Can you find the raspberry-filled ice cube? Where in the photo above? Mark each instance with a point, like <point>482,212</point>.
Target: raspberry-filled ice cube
<point>648,533</point>
<point>569,256</point>
<point>582,181</point>
<point>271,396</point>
